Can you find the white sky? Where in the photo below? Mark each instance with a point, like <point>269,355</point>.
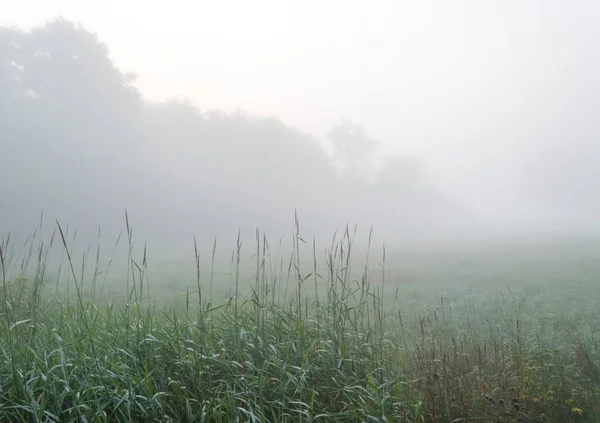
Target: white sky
<point>456,82</point>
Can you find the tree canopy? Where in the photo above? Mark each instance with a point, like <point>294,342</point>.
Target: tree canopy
<point>79,143</point>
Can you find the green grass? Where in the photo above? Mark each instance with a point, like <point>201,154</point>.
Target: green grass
<point>506,336</point>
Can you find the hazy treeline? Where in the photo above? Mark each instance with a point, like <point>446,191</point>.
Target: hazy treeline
<point>81,144</point>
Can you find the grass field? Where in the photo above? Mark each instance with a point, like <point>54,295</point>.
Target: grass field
<point>487,332</point>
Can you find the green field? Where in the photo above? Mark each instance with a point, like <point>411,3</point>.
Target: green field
<point>481,331</point>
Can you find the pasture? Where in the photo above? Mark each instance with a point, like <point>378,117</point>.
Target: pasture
<point>483,331</point>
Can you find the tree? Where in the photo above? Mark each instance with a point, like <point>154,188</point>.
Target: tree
<point>79,142</point>
<point>64,62</point>
<point>353,150</point>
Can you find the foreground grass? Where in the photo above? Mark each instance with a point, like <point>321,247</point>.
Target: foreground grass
<point>350,352</point>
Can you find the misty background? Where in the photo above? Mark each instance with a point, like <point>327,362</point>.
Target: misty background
<point>472,121</point>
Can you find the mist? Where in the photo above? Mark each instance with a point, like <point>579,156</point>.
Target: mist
<point>507,151</point>
<point>319,211</point>
<point>81,145</point>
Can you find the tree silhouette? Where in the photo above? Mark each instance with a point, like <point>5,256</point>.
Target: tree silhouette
<point>79,143</point>
<point>352,148</point>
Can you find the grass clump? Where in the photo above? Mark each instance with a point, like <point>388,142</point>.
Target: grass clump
<point>301,346</point>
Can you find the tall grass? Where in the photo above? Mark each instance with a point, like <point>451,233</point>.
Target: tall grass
<point>331,347</point>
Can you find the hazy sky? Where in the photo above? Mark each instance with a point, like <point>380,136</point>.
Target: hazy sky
<point>460,83</point>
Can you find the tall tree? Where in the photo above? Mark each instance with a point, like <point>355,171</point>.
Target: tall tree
<point>352,148</point>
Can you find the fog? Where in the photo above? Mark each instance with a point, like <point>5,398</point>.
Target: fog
<point>481,126</point>
<point>335,210</point>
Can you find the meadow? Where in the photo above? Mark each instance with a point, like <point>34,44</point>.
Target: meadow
<point>487,331</point>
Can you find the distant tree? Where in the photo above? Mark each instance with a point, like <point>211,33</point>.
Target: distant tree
<point>353,150</point>
<point>65,113</point>
<point>77,139</point>
<point>64,62</point>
